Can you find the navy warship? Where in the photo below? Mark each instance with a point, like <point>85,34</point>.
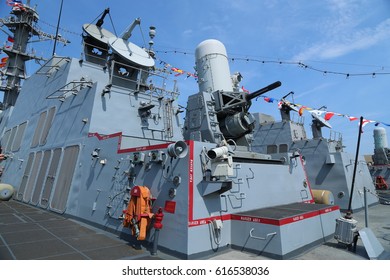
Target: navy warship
<point>100,140</point>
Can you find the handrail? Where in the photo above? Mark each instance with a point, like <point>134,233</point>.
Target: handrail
<point>261,238</point>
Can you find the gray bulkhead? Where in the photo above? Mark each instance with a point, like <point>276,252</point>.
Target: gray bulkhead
<point>328,166</point>
<point>51,116</point>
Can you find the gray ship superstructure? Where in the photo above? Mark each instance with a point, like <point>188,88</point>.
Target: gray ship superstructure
<point>100,139</point>
<point>328,166</point>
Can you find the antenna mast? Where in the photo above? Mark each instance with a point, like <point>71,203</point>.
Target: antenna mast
<point>58,27</point>
<point>22,16</point>
<point>22,22</point>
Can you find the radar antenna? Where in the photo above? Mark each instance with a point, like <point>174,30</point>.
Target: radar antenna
<point>286,107</point>
<point>95,39</point>
<point>318,123</point>
<point>129,52</point>
<point>127,34</point>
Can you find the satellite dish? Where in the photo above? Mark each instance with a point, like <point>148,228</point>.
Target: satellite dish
<point>98,33</point>
<point>321,120</point>
<point>130,52</point>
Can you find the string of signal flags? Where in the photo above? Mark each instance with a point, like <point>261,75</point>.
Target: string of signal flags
<point>300,64</point>
<point>301,108</point>
<point>327,115</point>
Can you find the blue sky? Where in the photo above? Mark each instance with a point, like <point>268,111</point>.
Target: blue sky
<point>342,36</point>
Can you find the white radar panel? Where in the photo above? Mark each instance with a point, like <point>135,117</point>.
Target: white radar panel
<point>98,33</point>
<point>130,52</point>
<point>321,120</point>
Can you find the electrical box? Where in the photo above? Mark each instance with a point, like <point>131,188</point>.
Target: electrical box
<point>139,158</point>
<point>217,224</point>
<point>346,230</point>
<point>156,156</point>
<point>222,168</point>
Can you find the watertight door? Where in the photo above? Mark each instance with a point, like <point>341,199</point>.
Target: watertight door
<point>64,181</point>
<point>41,177</point>
<point>26,175</point>
<point>33,176</point>
<point>51,175</point>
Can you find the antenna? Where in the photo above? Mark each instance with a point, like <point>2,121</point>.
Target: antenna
<point>316,125</point>
<point>127,34</point>
<point>129,51</point>
<point>101,20</point>
<point>321,121</point>
<point>58,26</point>
<point>291,92</point>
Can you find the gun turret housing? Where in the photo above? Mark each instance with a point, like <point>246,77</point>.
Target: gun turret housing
<point>220,110</point>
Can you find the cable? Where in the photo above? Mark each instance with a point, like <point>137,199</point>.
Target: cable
<point>113,26</point>
<point>297,63</point>
<point>384,198</point>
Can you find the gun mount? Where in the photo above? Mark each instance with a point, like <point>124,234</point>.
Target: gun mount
<point>219,111</point>
<point>232,109</point>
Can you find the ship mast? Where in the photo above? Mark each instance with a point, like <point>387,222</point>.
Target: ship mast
<point>23,24</point>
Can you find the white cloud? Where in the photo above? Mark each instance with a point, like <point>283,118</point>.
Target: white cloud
<point>346,42</point>
<point>338,31</point>
<point>188,32</point>
<point>318,88</point>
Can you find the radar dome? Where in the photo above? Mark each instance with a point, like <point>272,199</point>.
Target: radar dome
<point>380,138</point>
<point>212,66</point>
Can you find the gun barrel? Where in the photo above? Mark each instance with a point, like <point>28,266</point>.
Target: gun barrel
<point>263,90</point>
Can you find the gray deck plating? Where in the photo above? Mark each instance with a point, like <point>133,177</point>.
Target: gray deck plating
<point>25,229</point>
<point>285,211</point>
<point>28,233</point>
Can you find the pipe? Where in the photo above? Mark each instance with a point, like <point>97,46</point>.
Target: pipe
<point>355,166</point>
<point>158,217</point>
<point>365,207</point>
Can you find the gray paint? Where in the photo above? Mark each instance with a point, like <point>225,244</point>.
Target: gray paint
<point>328,166</point>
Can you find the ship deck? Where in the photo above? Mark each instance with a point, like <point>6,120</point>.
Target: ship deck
<point>29,233</point>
